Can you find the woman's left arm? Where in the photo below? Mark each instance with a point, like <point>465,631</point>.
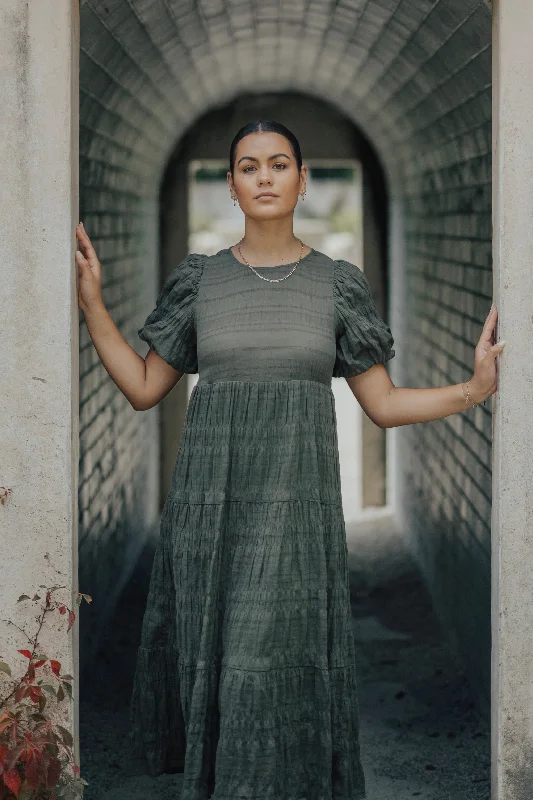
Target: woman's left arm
<point>389,406</point>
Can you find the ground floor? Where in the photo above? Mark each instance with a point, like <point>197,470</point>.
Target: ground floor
<point>421,734</point>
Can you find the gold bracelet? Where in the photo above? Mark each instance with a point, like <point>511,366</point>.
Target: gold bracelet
<point>468,396</point>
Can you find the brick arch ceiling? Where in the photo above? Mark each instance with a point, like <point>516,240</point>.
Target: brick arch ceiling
<point>413,74</point>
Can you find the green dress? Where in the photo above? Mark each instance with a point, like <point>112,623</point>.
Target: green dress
<point>246,677</point>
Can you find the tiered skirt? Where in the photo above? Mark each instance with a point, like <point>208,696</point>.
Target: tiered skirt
<point>246,678</point>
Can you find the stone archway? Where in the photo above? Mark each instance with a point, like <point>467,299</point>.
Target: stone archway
<point>323,133</point>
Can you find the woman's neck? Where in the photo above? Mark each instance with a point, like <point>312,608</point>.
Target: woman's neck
<point>270,242</point>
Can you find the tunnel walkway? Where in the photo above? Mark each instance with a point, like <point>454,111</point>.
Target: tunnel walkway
<point>421,735</point>
<point>404,88</point>
<point>90,131</point>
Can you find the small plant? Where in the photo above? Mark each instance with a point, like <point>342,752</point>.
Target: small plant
<point>36,759</point>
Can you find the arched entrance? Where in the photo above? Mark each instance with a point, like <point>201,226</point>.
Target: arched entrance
<point>325,135</point>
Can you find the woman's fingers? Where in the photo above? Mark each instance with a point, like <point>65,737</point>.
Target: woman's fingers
<point>486,338</point>
<point>488,327</point>
<point>89,267</point>
<point>83,246</point>
<point>85,243</point>
<point>80,258</point>
<point>497,348</point>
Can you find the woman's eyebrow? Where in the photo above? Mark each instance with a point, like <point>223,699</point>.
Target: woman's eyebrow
<point>253,158</point>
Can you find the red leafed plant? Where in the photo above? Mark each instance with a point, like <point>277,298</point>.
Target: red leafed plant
<point>36,759</point>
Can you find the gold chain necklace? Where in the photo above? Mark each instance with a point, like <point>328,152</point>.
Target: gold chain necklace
<point>271,280</point>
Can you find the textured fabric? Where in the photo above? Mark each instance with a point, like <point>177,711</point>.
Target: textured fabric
<point>246,674</point>
<point>363,339</point>
<point>170,326</point>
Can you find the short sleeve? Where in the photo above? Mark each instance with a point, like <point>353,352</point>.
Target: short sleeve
<point>362,336</point>
<point>170,328</point>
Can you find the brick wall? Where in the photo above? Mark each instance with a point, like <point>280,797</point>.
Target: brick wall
<point>118,446</point>
<point>444,154</point>
<point>447,499</point>
<point>426,98</point>
<point>416,78</point>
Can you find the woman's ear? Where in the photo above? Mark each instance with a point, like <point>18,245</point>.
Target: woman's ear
<point>303,177</point>
<point>229,179</point>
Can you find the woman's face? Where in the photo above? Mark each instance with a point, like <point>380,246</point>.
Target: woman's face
<point>265,179</point>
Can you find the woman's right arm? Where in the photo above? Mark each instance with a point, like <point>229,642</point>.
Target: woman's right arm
<point>144,382</point>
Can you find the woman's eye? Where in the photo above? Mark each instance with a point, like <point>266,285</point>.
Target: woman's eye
<point>251,167</point>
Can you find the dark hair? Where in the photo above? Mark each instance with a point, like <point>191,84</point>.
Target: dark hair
<point>265,126</point>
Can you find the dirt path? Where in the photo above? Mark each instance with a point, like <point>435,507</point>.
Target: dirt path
<point>421,735</point>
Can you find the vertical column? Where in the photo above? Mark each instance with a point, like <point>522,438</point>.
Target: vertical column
<point>398,450</point>
<point>512,520</point>
<point>174,247</point>
<point>374,439</point>
<point>39,323</point>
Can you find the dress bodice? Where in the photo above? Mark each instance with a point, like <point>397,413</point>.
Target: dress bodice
<point>254,330</point>
<point>215,316</point>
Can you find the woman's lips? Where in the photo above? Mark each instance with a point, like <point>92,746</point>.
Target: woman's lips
<point>266,196</point>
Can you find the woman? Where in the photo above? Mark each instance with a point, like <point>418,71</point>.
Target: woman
<point>246,675</point>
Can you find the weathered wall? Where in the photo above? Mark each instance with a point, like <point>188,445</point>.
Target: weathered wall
<point>38,385</point>
<point>512,513</point>
<point>416,78</point>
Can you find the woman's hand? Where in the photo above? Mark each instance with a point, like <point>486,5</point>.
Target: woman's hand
<point>484,382</point>
<point>89,271</point>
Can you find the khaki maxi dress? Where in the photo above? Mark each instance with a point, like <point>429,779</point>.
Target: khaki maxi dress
<point>246,677</point>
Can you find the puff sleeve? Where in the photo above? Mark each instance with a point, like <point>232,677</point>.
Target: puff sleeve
<point>362,336</point>
<point>170,328</point>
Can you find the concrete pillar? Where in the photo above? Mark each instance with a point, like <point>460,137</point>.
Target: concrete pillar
<point>512,512</point>
<point>39,324</point>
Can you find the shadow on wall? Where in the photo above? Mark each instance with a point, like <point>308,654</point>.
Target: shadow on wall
<point>107,571</point>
